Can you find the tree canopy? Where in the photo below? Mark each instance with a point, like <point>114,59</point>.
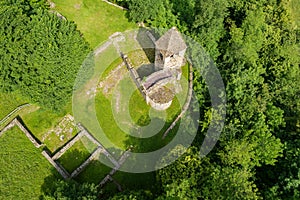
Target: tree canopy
<point>255,45</point>
<point>42,53</point>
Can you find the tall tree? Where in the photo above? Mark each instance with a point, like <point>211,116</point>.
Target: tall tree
<point>41,55</point>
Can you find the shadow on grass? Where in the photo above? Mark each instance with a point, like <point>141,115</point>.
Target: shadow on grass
<point>93,173</point>
<point>73,158</point>
<point>55,187</point>
<point>146,43</point>
<point>49,183</point>
<point>144,145</point>
<point>145,70</point>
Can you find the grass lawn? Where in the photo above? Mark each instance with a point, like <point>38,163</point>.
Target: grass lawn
<point>40,121</point>
<point>23,168</point>
<point>96,19</point>
<point>126,106</point>
<point>9,102</point>
<point>93,173</point>
<point>295,7</point>
<point>76,155</point>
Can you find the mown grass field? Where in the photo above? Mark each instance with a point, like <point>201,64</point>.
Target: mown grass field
<point>96,19</point>
<point>23,168</point>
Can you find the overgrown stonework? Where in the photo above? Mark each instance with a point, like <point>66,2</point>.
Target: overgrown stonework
<point>159,88</point>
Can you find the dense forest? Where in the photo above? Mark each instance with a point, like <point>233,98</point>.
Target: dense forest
<point>254,44</point>
<point>49,50</point>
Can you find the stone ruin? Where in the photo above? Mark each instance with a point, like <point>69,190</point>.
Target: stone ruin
<point>160,87</point>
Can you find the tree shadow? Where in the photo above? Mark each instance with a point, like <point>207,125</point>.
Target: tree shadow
<point>143,145</point>
<point>55,187</point>
<point>73,158</point>
<point>48,186</point>
<point>146,43</point>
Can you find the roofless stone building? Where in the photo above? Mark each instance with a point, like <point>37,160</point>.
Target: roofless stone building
<point>161,86</point>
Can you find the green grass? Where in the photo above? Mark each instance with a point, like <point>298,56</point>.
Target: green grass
<point>40,121</point>
<point>111,67</point>
<point>9,102</point>
<point>139,109</point>
<point>75,156</point>
<point>107,122</point>
<point>139,112</point>
<point>96,19</point>
<point>54,142</point>
<point>139,57</point>
<point>295,7</point>
<point>23,168</point>
<point>93,173</point>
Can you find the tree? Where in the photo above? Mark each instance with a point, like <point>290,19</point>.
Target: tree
<point>133,195</point>
<point>69,190</point>
<point>192,178</point>
<point>156,13</point>
<point>41,56</point>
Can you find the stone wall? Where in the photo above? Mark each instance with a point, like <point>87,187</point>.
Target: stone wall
<point>7,117</point>
<point>57,166</point>
<point>108,177</point>
<point>134,75</point>
<point>29,135</point>
<point>68,145</point>
<point>186,105</point>
<point>16,122</point>
<point>87,162</point>
<point>53,160</point>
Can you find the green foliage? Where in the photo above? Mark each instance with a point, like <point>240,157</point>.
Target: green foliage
<point>255,44</point>
<point>133,195</point>
<point>69,190</point>
<point>156,13</point>
<point>191,178</point>
<point>230,183</point>
<point>207,27</point>
<point>180,179</point>
<point>29,7</point>
<point>41,56</point>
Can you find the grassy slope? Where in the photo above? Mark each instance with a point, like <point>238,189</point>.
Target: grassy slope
<point>138,110</point>
<point>75,156</point>
<point>93,173</point>
<point>23,168</point>
<point>10,101</point>
<point>96,19</point>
